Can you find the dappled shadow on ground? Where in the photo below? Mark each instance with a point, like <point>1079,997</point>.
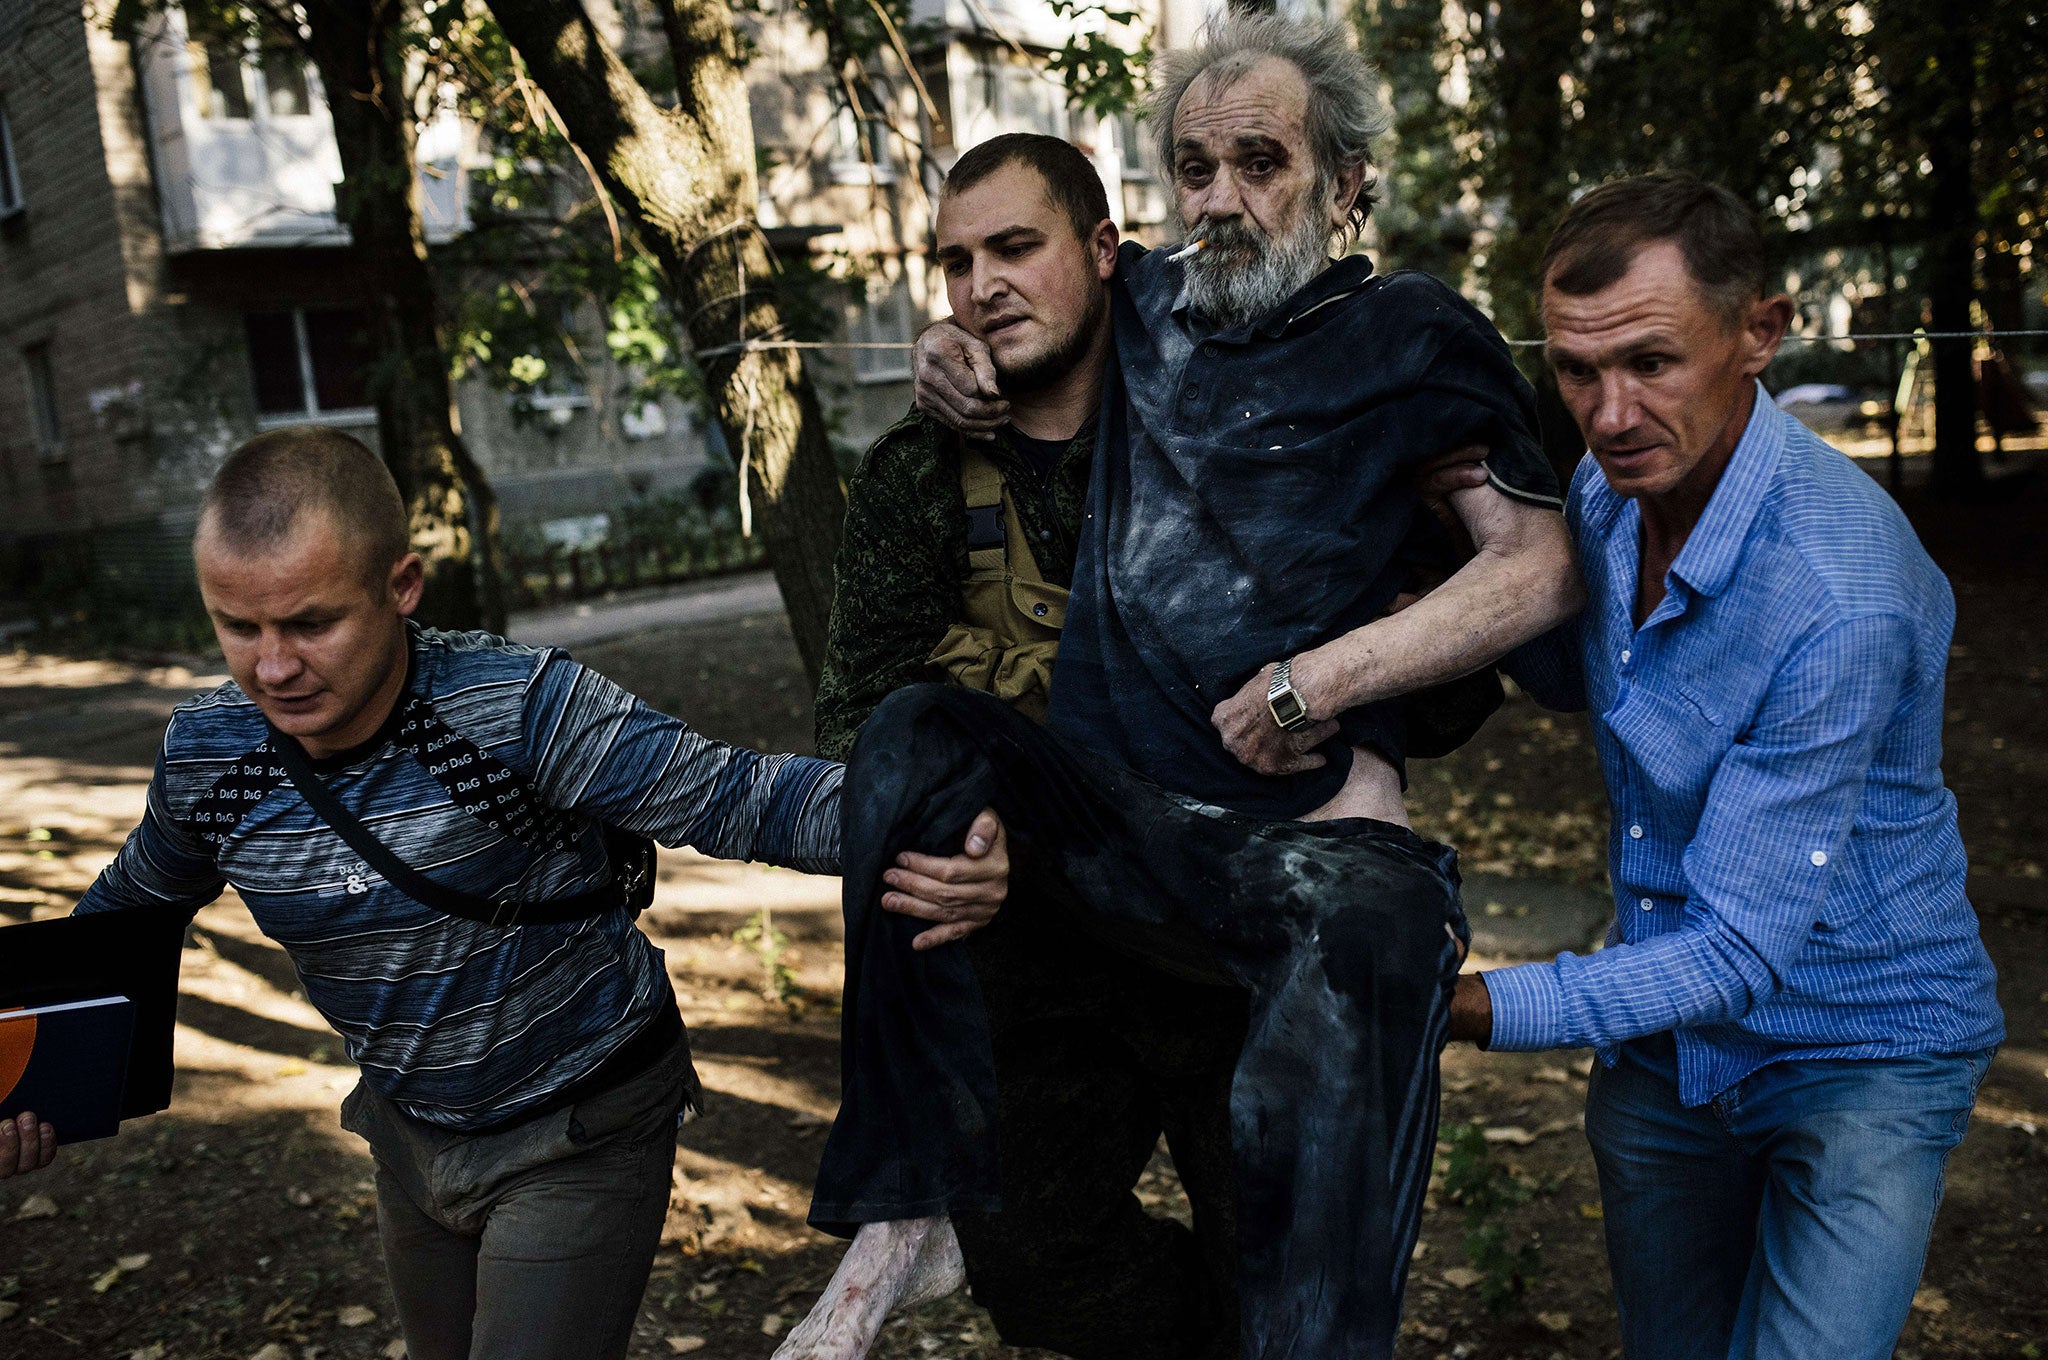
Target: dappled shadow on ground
<point>255,1212</point>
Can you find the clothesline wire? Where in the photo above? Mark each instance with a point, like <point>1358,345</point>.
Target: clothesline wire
<point>748,346</point>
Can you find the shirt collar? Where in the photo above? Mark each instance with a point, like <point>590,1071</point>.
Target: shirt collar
<point>1715,544</point>
<point>1342,278</point>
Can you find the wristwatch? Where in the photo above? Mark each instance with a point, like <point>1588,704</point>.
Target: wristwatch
<point>1288,709</point>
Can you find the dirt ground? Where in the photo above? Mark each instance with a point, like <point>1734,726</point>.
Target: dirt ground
<point>240,1223</point>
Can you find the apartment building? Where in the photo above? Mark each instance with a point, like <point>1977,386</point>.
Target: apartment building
<point>173,277</point>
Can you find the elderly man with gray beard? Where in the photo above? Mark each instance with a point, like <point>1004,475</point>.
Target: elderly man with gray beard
<point>1220,793</point>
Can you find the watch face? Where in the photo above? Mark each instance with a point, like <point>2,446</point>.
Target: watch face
<point>1287,709</point>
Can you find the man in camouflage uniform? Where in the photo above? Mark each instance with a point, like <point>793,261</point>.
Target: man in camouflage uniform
<point>955,567</point>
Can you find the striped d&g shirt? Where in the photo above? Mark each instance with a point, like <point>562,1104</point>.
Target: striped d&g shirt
<point>493,776</point>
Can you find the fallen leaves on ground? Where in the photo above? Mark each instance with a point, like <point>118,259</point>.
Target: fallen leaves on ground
<point>126,1265</point>
<point>37,1206</point>
<point>683,1345</point>
<point>355,1315</point>
<point>1462,1277</point>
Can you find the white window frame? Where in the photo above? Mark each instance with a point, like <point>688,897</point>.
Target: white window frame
<point>849,134</point>
<point>312,414</point>
<point>558,395</point>
<point>12,200</point>
<point>198,53</point>
<point>256,79</point>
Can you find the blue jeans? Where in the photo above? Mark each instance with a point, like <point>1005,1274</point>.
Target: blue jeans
<point>1787,1218</point>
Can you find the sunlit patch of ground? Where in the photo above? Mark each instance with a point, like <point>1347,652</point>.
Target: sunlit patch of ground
<point>254,1208</point>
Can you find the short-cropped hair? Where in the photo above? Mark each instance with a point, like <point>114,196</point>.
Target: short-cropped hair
<point>1718,235</point>
<point>1345,112</point>
<point>1070,178</point>
<point>267,484</point>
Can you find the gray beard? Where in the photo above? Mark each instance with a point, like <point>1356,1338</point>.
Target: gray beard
<point>1231,294</point>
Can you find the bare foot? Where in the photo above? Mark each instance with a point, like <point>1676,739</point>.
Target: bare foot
<point>898,1264</point>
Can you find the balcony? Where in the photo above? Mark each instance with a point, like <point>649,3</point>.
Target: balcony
<point>1030,23</point>
<point>245,153</point>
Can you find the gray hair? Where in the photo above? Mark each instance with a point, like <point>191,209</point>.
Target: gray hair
<point>1345,112</point>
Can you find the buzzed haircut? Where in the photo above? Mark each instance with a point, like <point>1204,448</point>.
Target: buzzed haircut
<point>1070,178</point>
<point>268,483</point>
<point>1718,235</point>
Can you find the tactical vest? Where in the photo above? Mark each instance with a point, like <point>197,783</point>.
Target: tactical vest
<point>1012,614</point>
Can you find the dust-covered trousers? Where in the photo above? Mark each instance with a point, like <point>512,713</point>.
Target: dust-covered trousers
<point>1344,933</point>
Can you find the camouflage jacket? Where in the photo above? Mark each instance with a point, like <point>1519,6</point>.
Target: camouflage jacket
<point>904,555</point>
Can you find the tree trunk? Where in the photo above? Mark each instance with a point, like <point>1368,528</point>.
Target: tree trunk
<point>686,176</point>
<point>362,63</point>
<point>1528,42</point>
<point>1418,222</point>
<point>1952,245</point>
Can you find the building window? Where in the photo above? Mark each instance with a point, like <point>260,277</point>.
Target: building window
<point>938,83</point>
<point>218,87</point>
<point>11,199</point>
<point>309,364</point>
<point>861,153</point>
<point>42,402</point>
<point>880,315</point>
<point>285,94</point>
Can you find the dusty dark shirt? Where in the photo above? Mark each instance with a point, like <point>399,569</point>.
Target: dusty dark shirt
<point>904,555</point>
<point>1253,499</point>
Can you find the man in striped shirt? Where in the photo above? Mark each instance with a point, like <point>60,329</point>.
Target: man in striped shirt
<point>521,1084</point>
<point>1794,1009</point>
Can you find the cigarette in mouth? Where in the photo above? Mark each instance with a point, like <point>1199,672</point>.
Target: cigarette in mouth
<point>1187,250</point>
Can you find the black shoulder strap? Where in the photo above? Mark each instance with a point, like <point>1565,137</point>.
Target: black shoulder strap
<point>417,885</point>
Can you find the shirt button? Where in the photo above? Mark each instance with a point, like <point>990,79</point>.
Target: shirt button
<point>1625,655</point>
<point>1038,610</point>
<point>1190,392</point>
<point>1044,535</point>
<point>1635,833</point>
<point>1648,905</point>
<point>1819,857</point>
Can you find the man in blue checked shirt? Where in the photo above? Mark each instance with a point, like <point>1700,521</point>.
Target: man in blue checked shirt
<point>1794,1009</point>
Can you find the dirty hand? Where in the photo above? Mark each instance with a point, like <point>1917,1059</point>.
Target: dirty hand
<point>962,892</point>
<point>26,1144</point>
<point>1259,743</point>
<point>956,381</point>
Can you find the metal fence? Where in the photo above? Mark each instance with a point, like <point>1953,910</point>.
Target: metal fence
<point>556,575</point>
